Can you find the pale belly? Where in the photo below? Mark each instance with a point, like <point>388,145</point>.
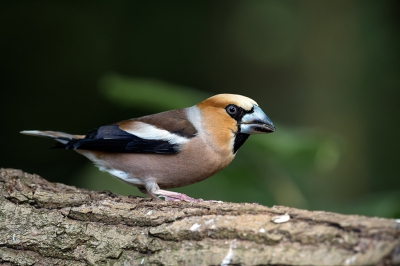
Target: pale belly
<point>168,171</point>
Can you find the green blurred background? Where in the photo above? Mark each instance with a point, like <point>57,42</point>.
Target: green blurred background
<point>326,72</point>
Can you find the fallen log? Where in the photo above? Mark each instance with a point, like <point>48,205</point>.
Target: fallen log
<point>46,223</point>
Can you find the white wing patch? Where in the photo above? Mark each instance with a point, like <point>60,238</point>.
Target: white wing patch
<point>147,131</point>
<point>194,116</point>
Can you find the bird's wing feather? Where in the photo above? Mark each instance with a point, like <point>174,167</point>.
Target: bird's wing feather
<point>174,121</point>
<point>161,133</point>
<point>112,139</point>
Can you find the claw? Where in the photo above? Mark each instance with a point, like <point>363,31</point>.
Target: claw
<point>180,197</point>
<point>175,196</point>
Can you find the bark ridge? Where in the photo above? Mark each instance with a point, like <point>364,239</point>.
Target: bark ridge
<point>44,223</point>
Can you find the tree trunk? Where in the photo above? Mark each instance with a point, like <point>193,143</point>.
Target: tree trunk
<point>45,223</point>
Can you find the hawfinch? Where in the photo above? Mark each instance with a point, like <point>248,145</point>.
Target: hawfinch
<point>173,148</point>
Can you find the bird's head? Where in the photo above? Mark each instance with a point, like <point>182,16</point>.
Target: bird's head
<point>232,115</point>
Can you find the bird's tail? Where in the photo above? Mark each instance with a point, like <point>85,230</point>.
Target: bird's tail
<point>61,137</point>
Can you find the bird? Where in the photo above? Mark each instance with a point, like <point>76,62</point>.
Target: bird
<point>170,149</point>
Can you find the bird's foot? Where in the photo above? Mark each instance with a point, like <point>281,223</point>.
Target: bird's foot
<point>175,196</point>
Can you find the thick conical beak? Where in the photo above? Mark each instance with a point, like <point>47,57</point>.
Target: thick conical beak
<point>256,122</point>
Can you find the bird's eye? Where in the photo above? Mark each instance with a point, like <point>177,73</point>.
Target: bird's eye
<point>231,109</point>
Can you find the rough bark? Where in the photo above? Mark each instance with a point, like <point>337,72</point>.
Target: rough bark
<point>43,223</point>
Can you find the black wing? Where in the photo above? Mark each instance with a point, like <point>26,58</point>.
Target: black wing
<point>112,139</point>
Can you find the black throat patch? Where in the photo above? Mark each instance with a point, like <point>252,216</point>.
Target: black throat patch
<point>239,140</point>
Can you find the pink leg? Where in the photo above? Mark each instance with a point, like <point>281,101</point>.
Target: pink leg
<point>175,196</point>
<point>152,190</point>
